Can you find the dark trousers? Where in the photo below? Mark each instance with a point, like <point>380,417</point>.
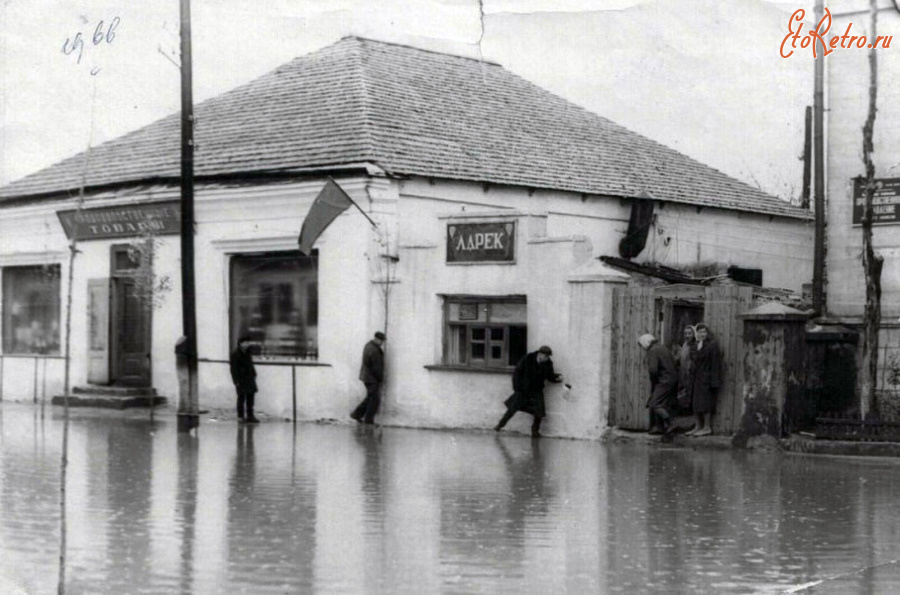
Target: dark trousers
<point>367,409</point>
<point>245,404</point>
<point>660,419</point>
<point>535,425</point>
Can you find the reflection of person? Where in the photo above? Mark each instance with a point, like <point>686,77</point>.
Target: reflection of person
<point>243,374</point>
<point>372,374</point>
<point>704,381</point>
<point>663,384</point>
<point>528,387</point>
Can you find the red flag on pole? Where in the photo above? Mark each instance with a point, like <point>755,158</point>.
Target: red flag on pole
<point>331,202</point>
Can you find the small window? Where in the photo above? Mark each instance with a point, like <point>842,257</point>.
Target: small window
<point>485,332</point>
<point>274,301</point>
<point>31,302</point>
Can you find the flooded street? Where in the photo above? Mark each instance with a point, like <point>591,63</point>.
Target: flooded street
<point>278,508</point>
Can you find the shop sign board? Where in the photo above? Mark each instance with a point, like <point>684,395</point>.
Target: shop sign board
<point>885,203</point>
<point>481,242</point>
<point>160,218</point>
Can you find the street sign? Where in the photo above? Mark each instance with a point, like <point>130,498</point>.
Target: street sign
<point>160,218</point>
<point>481,242</point>
<point>885,203</point>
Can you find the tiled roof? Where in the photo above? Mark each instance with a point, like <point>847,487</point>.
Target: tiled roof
<point>412,112</point>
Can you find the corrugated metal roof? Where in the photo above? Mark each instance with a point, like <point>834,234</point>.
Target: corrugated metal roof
<point>411,112</point>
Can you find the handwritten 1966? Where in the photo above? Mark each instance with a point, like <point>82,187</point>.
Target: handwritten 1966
<point>100,36</point>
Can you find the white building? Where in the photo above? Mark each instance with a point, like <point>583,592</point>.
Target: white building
<point>847,102</point>
<point>436,149</point>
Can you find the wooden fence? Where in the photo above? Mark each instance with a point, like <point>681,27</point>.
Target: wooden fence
<point>639,310</point>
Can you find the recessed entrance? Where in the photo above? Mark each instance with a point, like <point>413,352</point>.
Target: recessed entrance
<point>130,309</point>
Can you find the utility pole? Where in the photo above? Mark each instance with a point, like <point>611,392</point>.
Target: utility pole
<point>819,194</point>
<point>807,159</point>
<point>188,398</point>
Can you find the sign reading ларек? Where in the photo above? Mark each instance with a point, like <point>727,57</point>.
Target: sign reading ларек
<point>885,202</point>
<point>160,218</point>
<point>481,242</point>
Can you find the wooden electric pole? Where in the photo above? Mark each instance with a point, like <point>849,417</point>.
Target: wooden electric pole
<point>188,400</point>
<point>819,193</point>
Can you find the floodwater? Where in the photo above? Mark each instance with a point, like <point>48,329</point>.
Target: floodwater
<point>337,508</point>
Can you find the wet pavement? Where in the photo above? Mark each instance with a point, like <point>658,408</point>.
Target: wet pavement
<point>337,508</point>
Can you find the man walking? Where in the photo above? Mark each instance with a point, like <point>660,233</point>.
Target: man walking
<point>243,374</point>
<point>528,387</point>
<point>372,374</point>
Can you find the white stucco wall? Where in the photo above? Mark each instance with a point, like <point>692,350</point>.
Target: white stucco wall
<point>847,91</point>
<point>568,291</point>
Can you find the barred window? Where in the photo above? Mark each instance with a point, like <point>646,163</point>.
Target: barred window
<point>31,304</point>
<point>485,331</point>
<point>274,302</point>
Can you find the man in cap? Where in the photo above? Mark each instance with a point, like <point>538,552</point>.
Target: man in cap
<point>372,374</point>
<point>528,387</point>
<point>243,374</point>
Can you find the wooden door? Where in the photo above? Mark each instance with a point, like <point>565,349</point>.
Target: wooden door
<point>723,306</point>
<point>634,314</point>
<point>98,331</point>
<point>131,334</point>
<point>130,320</point>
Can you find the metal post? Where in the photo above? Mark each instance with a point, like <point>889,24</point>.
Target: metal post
<point>188,405</point>
<point>819,196</point>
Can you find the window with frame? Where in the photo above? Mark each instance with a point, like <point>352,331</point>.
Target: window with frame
<point>31,303</point>
<point>274,301</point>
<point>485,331</point>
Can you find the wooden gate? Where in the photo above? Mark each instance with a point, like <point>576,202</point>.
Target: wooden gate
<point>723,305</point>
<point>639,310</point>
<point>634,313</point>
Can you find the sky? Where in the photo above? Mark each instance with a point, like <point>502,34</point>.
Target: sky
<point>701,76</point>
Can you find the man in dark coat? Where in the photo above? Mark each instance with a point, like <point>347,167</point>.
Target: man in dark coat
<point>528,387</point>
<point>663,383</point>
<point>243,374</point>
<point>372,374</point>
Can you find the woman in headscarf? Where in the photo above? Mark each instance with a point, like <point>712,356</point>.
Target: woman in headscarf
<point>685,354</point>
<point>705,380</point>
<point>663,383</point>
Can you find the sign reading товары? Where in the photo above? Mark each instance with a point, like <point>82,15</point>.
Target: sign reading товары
<point>159,218</point>
<point>481,242</point>
<point>885,203</point>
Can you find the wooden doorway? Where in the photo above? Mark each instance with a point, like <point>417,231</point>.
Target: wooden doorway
<point>660,310</point>
<point>130,322</point>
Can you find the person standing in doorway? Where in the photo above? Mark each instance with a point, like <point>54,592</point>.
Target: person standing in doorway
<point>705,381</point>
<point>663,384</point>
<point>685,355</point>
<point>528,387</point>
<point>372,374</point>
<point>243,374</point>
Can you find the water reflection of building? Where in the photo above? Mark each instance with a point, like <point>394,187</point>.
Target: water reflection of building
<point>271,520</point>
<point>129,482</point>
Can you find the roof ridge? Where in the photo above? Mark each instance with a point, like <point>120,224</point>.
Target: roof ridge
<point>416,48</point>
<point>365,100</point>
